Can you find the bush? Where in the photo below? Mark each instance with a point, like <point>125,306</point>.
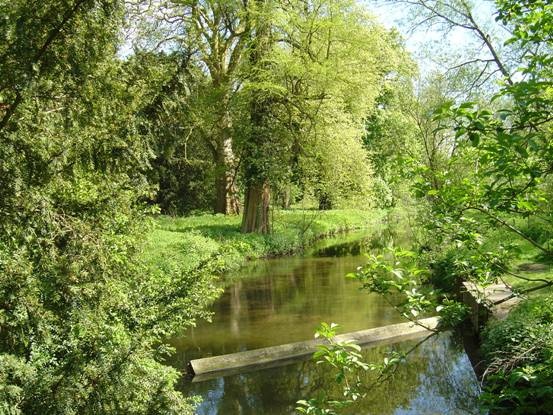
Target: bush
<point>82,318</point>
<point>519,355</point>
<point>538,230</point>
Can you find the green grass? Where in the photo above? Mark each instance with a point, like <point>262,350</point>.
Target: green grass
<point>528,261</point>
<point>186,242</point>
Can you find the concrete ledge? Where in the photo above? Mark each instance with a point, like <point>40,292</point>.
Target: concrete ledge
<point>231,364</point>
<point>482,302</point>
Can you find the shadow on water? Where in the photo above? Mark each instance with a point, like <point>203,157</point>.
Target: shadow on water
<point>358,243</point>
<point>343,249</point>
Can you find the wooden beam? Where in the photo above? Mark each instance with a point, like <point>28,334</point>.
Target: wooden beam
<point>231,364</point>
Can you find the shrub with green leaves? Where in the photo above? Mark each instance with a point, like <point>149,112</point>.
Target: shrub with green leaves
<point>519,355</point>
<point>82,318</point>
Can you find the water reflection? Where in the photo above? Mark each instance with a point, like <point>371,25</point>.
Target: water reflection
<point>437,379</point>
<point>283,300</point>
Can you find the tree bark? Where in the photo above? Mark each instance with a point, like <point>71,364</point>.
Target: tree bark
<point>256,208</point>
<point>286,198</point>
<point>227,198</point>
<point>325,202</point>
<point>258,195</point>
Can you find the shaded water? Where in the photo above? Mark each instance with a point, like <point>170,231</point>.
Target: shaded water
<point>277,301</point>
<point>283,300</point>
<point>436,380</point>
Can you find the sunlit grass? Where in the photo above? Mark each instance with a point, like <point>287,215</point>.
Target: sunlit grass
<point>528,261</point>
<point>530,264</point>
<point>185,242</point>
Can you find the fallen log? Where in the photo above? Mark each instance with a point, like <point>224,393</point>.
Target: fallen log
<point>267,357</point>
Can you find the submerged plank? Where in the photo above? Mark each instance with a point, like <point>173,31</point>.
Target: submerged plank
<point>267,357</point>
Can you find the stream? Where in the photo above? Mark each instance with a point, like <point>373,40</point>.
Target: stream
<point>275,301</point>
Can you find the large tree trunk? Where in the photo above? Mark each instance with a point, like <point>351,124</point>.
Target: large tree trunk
<point>227,197</point>
<point>255,217</point>
<point>256,208</point>
<point>225,169</point>
<point>325,202</point>
<point>286,198</point>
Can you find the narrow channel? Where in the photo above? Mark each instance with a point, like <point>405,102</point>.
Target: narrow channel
<point>282,300</point>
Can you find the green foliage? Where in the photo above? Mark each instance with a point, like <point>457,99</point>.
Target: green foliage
<point>491,202</point>
<point>342,356</point>
<point>518,352</point>
<point>174,119</point>
<point>497,173</point>
<point>485,175</point>
<point>82,317</point>
<point>188,241</point>
<point>399,276</point>
<point>305,119</point>
<point>262,108</point>
<point>391,134</point>
<point>510,147</point>
<point>345,359</point>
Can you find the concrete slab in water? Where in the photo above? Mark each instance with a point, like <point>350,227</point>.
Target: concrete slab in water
<point>495,301</point>
<point>231,364</point>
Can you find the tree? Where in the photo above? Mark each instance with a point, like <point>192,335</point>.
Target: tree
<point>309,48</point>
<point>484,58</point>
<point>392,135</point>
<point>176,123</point>
<point>511,147</point>
<point>310,104</point>
<point>257,193</point>
<point>478,178</point>
<point>211,36</point>
<point>497,175</point>
<point>82,318</point>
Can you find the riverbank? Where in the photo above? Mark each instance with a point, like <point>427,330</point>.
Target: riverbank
<point>187,242</point>
<point>512,351</point>
<point>529,272</point>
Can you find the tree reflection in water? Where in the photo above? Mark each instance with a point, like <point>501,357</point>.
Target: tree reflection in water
<point>283,300</point>
<point>436,379</point>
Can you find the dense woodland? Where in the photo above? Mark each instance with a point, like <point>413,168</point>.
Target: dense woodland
<point>113,112</point>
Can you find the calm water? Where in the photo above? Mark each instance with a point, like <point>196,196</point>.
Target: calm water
<point>277,301</point>
<point>436,380</point>
<point>283,300</point>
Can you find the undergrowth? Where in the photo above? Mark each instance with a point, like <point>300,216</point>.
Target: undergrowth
<point>187,242</point>
<point>519,357</point>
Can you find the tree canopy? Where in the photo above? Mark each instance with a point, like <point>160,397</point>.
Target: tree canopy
<point>114,111</point>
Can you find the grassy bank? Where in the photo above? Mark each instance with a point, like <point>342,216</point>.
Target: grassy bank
<point>528,268</point>
<point>517,350</point>
<point>187,242</point>
<point>529,271</point>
